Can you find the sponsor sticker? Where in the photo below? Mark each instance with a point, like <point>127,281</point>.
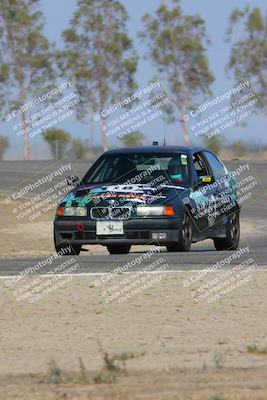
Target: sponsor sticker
<point>184,159</point>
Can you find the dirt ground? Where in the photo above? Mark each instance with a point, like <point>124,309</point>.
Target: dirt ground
<point>172,347</point>
<point>23,238</point>
<point>160,344</point>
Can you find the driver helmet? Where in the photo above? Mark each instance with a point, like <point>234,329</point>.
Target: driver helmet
<point>175,170</point>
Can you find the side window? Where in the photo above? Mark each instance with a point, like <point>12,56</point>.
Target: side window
<point>200,165</point>
<point>218,169</point>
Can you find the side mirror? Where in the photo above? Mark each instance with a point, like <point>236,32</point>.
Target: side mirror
<point>73,180</point>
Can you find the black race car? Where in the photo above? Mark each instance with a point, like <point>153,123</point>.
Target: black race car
<point>167,196</point>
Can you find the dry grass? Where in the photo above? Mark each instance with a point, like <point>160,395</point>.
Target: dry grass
<point>254,348</point>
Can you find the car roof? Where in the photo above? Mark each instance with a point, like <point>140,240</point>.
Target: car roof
<point>156,149</point>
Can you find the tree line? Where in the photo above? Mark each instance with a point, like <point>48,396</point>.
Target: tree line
<point>101,60</point>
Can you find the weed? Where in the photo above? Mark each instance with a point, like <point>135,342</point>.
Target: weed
<point>105,377</point>
<point>217,397</point>
<point>256,349</point>
<point>218,361</point>
<point>129,355</point>
<point>56,375</point>
<point>83,374</point>
<point>204,367</point>
<point>114,365</point>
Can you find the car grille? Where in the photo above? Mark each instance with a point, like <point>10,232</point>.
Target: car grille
<point>100,213</point>
<point>110,213</point>
<point>120,212</point>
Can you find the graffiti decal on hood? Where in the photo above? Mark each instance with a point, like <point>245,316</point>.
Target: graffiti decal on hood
<point>133,193</point>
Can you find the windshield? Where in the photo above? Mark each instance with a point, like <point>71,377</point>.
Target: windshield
<point>152,169</point>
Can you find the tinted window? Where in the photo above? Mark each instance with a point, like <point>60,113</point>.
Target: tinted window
<point>140,168</point>
<point>218,169</point>
<point>200,165</point>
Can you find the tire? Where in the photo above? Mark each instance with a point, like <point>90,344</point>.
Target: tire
<point>231,242</point>
<point>119,248</point>
<point>185,237</point>
<point>66,248</point>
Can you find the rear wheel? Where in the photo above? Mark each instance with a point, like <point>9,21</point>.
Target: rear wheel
<point>66,248</point>
<point>231,242</point>
<point>185,237</point>
<point>119,248</point>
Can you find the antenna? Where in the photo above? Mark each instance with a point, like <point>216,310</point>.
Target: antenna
<point>164,135</point>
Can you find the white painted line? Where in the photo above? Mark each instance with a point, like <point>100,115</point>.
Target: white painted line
<point>121,273</point>
<point>92,274</point>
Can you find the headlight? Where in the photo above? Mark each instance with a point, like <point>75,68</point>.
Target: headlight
<point>72,211</point>
<point>145,211</point>
<point>81,211</point>
<point>69,211</point>
<point>151,210</point>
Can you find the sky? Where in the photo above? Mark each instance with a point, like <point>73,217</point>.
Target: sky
<point>215,13</point>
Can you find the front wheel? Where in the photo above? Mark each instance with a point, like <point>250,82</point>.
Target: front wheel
<point>185,237</point>
<point>231,241</point>
<point>118,248</point>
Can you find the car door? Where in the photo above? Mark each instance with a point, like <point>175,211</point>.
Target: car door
<point>202,199</point>
<point>222,190</point>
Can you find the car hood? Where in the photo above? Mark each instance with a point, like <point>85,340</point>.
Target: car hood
<point>118,194</point>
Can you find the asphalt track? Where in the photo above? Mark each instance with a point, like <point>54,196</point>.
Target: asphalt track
<point>202,255</point>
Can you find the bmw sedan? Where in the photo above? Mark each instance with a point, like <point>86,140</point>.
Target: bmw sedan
<point>167,196</point>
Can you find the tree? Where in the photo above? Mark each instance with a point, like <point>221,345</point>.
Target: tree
<point>176,46</point>
<point>58,141</point>
<point>239,148</point>
<point>248,58</point>
<point>99,56</point>
<point>25,57</point>
<point>214,143</point>
<point>4,143</point>
<point>132,139</point>
<point>79,149</point>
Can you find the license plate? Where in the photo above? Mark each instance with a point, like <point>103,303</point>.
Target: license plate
<point>109,227</point>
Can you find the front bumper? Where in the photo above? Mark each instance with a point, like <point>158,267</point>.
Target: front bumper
<point>136,231</point>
